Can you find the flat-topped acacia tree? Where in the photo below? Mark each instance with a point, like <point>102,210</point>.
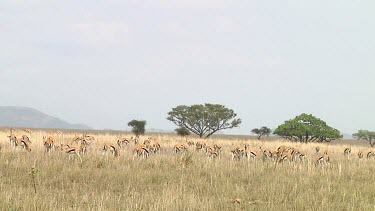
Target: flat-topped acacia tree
<point>138,127</point>
<point>307,128</point>
<point>204,120</point>
<point>366,135</point>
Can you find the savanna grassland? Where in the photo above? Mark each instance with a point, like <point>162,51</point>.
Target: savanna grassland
<point>183,181</point>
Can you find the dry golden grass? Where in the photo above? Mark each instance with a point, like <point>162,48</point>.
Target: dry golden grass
<point>185,181</point>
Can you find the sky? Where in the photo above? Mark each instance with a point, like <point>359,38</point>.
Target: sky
<point>106,63</point>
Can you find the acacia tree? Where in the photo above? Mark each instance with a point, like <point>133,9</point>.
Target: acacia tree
<point>366,135</point>
<point>263,131</point>
<point>138,127</point>
<point>182,131</point>
<point>204,120</point>
<point>307,128</point>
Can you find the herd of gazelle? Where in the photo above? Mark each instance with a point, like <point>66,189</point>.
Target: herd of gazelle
<point>79,144</point>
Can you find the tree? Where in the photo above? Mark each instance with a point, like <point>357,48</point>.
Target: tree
<point>263,131</point>
<point>307,128</point>
<point>366,135</point>
<point>204,120</point>
<point>138,127</point>
<point>182,131</point>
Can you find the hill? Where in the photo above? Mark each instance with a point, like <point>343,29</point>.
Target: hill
<point>24,117</point>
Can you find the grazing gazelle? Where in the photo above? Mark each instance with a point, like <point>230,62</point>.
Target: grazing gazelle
<point>155,147</point>
<point>370,154</point>
<point>141,150</point>
<point>251,154</point>
<point>111,148</point>
<point>24,144</point>
<point>286,157</point>
<point>73,151</point>
<point>179,147</point>
<point>121,142</point>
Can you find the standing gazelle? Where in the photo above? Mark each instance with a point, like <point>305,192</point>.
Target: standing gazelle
<point>347,151</point>
<point>48,143</point>
<point>323,158</point>
<point>360,154</point>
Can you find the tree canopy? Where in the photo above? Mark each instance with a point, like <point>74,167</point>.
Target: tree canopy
<point>204,120</point>
<point>263,131</point>
<point>138,127</point>
<point>307,128</point>
<point>366,135</point>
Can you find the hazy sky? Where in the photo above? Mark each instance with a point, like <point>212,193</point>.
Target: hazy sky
<point>105,63</point>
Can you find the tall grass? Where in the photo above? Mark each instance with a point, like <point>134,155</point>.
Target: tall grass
<point>186,181</point>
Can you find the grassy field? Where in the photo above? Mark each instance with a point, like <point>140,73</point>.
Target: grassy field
<point>184,181</point>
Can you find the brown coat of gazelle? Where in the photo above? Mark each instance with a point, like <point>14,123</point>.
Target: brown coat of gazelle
<point>111,148</point>
<point>48,143</point>
<point>141,151</point>
<point>323,159</point>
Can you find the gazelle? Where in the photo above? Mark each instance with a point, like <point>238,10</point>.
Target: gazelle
<point>26,139</point>
<point>24,144</point>
<point>73,151</point>
<point>323,158</point>
<point>347,151</point>
<point>13,141</point>
<point>237,153</point>
<point>111,148</point>
<point>190,143</point>
<point>251,154</point>
<point>360,154</point>
<point>200,145</point>
<point>141,150</point>
<point>121,142</point>
<point>212,152</point>
<point>218,148</point>
<point>286,157</point>
<point>370,154</point>
<point>48,143</point>
<point>179,148</point>
<point>155,147</point>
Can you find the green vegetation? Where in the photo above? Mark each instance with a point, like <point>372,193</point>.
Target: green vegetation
<point>263,131</point>
<point>204,120</point>
<point>138,127</point>
<point>307,128</point>
<point>182,131</point>
<point>366,135</point>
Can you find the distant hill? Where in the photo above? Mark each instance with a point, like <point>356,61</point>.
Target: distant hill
<point>24,117</point>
